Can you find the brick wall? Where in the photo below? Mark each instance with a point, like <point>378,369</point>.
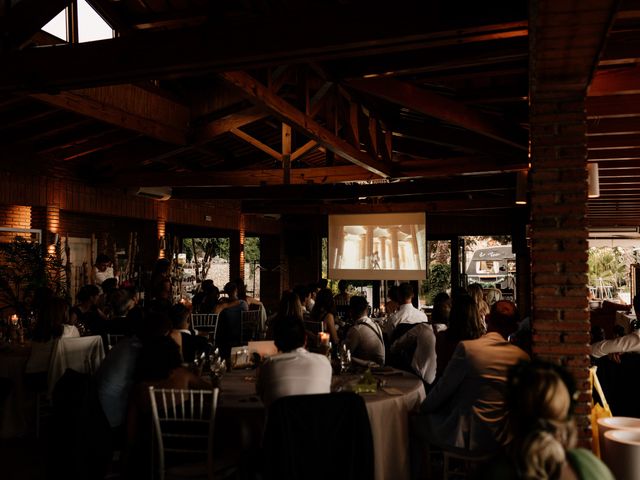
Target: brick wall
<point>559,241</point>
<point>14,216</point>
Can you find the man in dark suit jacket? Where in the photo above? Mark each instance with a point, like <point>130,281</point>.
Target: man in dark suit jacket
<point>466,408</point>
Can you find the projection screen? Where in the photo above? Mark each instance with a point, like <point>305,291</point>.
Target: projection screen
<point>386,246</point>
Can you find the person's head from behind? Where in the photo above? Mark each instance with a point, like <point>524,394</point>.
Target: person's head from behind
<point>242,288</point>
<point>290,306</point>
<point>154,322</point>
<point>102,262</point>
<point>288,333</point>
<point>324,301</point>
<point>158,357</point>
<point>358,306</point>
<point>476,292</point>
<point>539,402</point>
<point>303,293</point>
<point>180,315</point>
<point>88,294</point>
<point>162,268</point>
<point>405,293</point>
<point>392,294</point>
<point>503,318</point>
<point>207,286</point>
<point>441,308</point>
<point>323,283</point>
<point>342,286</point>
<point>231,289</point>
<point>109,285</point>
<point>464,319</point>
<point>121,302</point>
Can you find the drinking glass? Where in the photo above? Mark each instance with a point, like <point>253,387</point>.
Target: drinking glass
<point>345,359</point>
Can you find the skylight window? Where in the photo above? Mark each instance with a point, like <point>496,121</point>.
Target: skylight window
<point>91,26</point>
<point>58,26</point>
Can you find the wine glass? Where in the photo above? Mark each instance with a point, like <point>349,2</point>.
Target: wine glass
<point>345,359</point>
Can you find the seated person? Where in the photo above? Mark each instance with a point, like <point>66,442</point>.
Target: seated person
<point>51,324</point>
<point>418,348</point>
<point>229,320</point>
<point>364,339</point>
<point>405,316</point>
<point>206,299</point>
<point>466,408</point>
<point>294,371</point>
<point>342,297</point>
<point>86,315</point>
<point>103,269</point>
<point>324,311</point>
<point>441,312</point>
<point>543,430</point>
<point>190,345</point>
<point>621,344</point>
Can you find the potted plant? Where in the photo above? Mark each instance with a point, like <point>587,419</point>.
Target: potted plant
<point>25,267</point>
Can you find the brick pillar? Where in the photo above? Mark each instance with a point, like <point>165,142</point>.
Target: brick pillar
<point>161,224</point>
<point>559,240</point>
<point>52,227</point>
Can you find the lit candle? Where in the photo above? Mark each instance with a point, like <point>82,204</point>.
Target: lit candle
<point>324,338</point>
<point>14,319</point>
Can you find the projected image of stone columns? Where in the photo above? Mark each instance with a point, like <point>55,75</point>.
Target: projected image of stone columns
<point>354,247</point>
<point>395,259</point>
<point>414,246</point>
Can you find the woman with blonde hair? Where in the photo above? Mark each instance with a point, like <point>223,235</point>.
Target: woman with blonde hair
<point>540,399</point>
<point>477,293</point>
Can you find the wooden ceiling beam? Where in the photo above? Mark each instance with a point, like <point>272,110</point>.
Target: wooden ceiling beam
<point>619,156</point>
<point>256,143</point>
<point>607,126</point>
<point>339,191</point>
<point>602,142</point>
<point>615,82</point>
<point>444,109</point>
<point>613,106</point>
<point>262,96</point>
<point>371,207</point>
<point>130,107</point>
<point>227,123</point>
<point>229,45</point>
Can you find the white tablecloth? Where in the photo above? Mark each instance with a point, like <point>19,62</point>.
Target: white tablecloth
<point>82,354</point>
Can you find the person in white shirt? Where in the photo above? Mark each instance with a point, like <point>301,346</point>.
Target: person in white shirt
<point>103,269</point>
<point>625,344</point>
<point>406,313</point>
<point>294,371</point>
<point>364,339</point>
<point>420,341</point>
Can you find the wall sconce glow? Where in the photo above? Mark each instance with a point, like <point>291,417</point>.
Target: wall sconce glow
<point>593,180</point>
<point>521,188</point>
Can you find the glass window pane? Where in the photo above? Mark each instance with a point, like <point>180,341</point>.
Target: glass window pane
<point>91,26</point>
<point>58,26</point>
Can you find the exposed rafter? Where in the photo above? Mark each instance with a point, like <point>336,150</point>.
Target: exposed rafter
<point>130,107</point>
<point>442,108</point>
<point>262,96</point>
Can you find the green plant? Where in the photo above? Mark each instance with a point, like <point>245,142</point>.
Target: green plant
<point>608,265</point>
<point>24,268</point>
<point>439,280</point>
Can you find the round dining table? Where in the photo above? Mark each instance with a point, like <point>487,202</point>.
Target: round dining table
<point>241,415</point>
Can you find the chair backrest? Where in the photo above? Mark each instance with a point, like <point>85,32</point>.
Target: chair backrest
<point>330,419</point>
<point>250,321</point>
<point>206,322</point>
<point>82,354</point>
<point>183,423</point>
<point>204,319</point>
